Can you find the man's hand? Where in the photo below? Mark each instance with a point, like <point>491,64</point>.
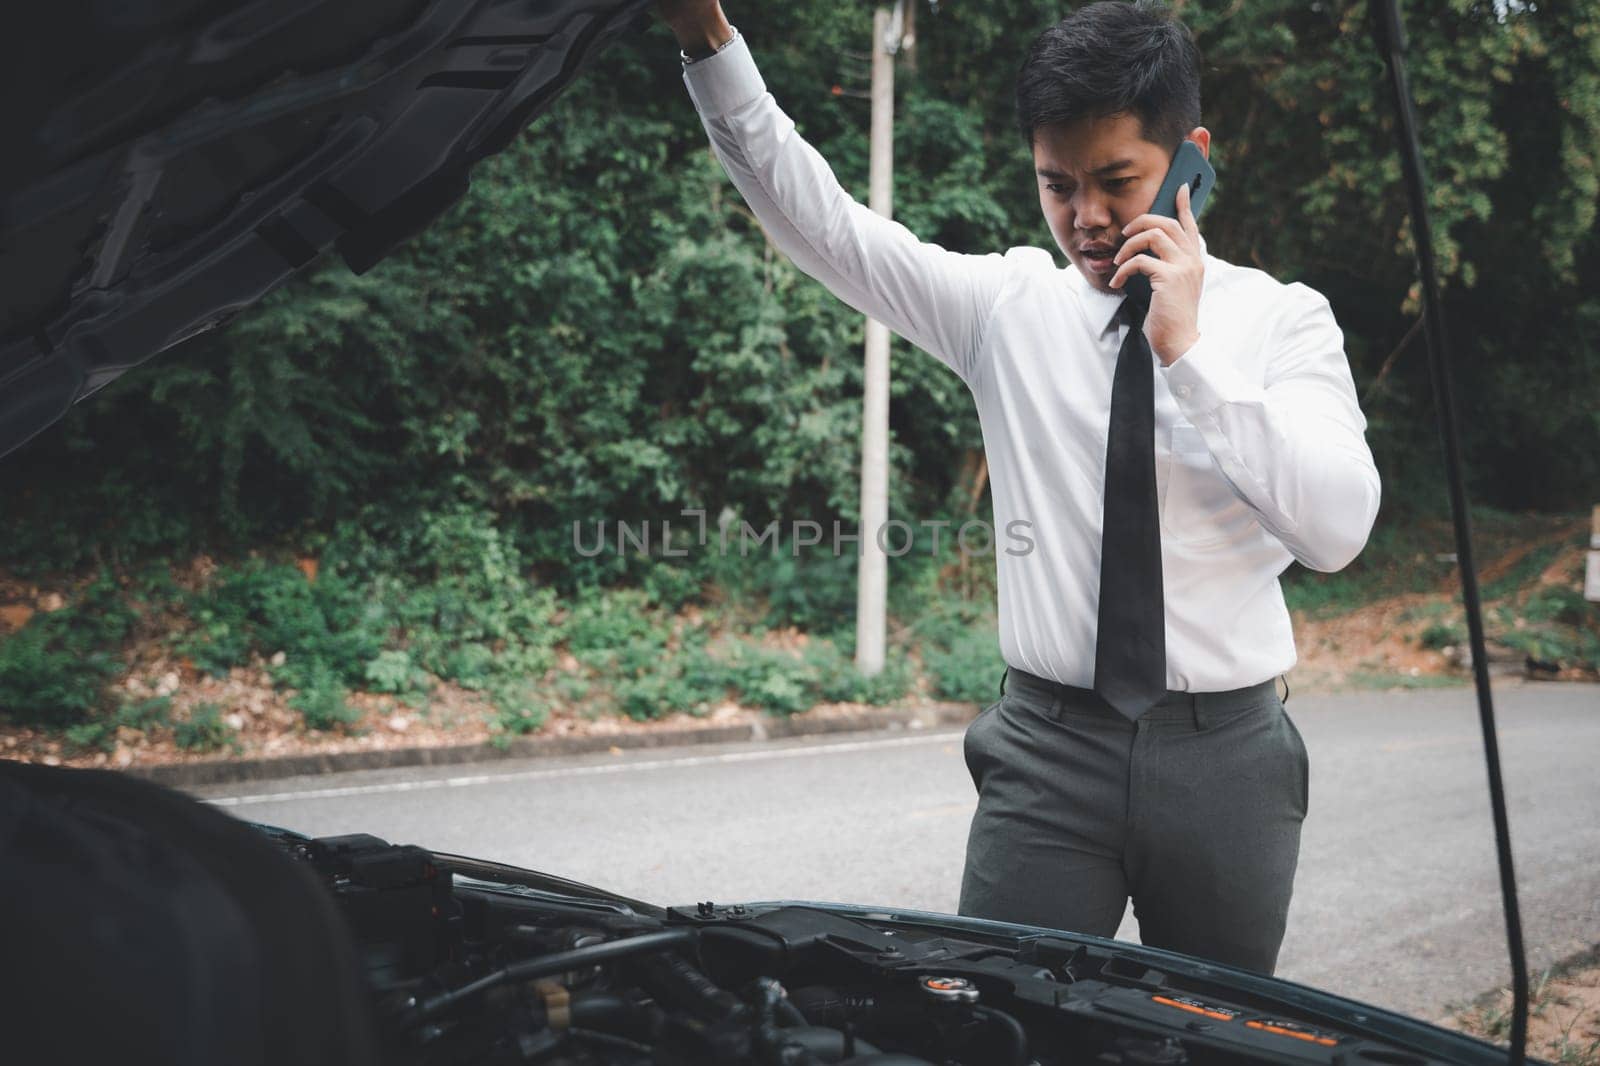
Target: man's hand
<point>1173,322</point>
<point>699,25</point>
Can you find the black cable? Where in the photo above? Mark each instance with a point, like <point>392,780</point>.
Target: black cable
<point>560,962</point>
<point>589,955</point>
<point>1390,38</point>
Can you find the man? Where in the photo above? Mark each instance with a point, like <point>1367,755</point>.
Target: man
<point>1170,458</point>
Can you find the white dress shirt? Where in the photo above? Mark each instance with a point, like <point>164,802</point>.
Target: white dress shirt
<point>1260,450</point>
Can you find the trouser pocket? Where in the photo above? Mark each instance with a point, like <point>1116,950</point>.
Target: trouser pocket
<point>1302,760</point>
<point>975,748</point>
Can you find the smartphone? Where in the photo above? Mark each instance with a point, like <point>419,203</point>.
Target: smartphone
<point>1189,167</point>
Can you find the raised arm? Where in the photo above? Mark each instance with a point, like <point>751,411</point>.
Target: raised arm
<point>937,299</point>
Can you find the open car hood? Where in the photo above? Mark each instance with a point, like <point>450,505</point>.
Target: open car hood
<point>1078,997</point>
<point>169,163</point>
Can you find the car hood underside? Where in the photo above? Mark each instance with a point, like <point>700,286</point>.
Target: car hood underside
<point>171,162</point>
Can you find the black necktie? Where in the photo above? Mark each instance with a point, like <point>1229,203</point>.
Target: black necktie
<point>1130,655</point>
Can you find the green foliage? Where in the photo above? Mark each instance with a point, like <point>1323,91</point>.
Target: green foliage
<point>837,680</point>
<point>322,627</point>
<point>968,669</point>
<point>400,596</point>
<point>205,730</point>
<point>53,671</point>
<point>1400,556</point>
<point>617,618</point>
<point>452,570</point>
<point>393,671</point>
<point>322,701</point>
<point>94,734</point>
<point>145,713</point>
<point>769,678</point>
<point>812,592</point>
<point>959,643</point>
<point>600,332</point>
<point>100,732</point>
<point>1553,624</point>
<point>1439,635</point>
<point>632,648</point>
<point>1388,681</point>
<point>686,683</point>
<point>520,708</point>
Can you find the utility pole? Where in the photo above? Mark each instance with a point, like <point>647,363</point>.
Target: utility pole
<point>872,573</point>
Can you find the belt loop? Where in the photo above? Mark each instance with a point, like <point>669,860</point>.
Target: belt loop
<point>1197,710</point>
<point>1285,681</point>
<point>1003,676</point>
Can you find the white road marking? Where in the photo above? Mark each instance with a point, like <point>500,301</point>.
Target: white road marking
<point>473,780</point>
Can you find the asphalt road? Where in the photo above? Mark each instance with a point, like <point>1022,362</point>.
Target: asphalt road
<point>1396,899</point>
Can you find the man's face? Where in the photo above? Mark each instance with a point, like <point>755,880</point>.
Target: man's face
<point>1095,176</point>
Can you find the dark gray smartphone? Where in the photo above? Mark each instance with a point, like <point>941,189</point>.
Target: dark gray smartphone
<point>1189,167</point>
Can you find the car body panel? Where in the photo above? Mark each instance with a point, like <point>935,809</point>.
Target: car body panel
<point>223,147</point>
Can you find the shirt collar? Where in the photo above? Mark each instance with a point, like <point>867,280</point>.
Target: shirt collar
<point>1101,307</point>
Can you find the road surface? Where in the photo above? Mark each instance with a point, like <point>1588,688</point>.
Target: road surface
<point>1396,898</point>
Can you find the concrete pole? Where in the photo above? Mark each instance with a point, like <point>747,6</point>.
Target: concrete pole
<point>872,575</point>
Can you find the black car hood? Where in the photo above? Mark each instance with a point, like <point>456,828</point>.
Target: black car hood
<point>169,163</point>
<point>1366,1033</point>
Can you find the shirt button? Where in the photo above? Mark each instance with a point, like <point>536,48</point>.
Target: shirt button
<point>1183,392</point>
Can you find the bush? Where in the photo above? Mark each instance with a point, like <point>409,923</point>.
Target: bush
<point>770,678</point>
<point>54,670</point>
<point>101,732</point>
<point>326,627</point>
<point>1443,635</point>
<point>670,587</point>
<point>815,591</point>
<point>394,672</point>
<point>205,730</point>
<point>649,680</point>
<point>97,734</point>
<point>1557,625</point>
<point>968,669</point>
<point>655,694</point>
<point>322,701</point>
<point>519,708</point>
<point>469,665</point>
<point>838,680</point>
<point>605,621</point>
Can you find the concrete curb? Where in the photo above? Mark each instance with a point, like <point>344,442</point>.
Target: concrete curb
<point>230,771</point>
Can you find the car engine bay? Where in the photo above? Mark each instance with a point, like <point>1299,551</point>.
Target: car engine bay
<point>470,962</point>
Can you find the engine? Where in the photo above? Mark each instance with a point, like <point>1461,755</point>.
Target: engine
<point>471,963</point>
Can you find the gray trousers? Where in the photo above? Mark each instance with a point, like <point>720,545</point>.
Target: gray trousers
<point>1194,811</point>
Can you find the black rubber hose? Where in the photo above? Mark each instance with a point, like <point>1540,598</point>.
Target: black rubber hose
<point>1014,1039</point>
<point>561,961</point>
<point>609,1012</point>
<point>673,978</point>
<point>1390,38</point>
<point>776,1044</point>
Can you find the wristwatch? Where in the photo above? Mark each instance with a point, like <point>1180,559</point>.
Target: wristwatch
<point>688,59</point>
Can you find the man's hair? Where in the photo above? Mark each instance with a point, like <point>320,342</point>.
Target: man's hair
<point>1110,58</point>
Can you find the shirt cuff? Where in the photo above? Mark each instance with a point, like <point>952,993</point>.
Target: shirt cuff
<point>1202,380</point>
<point>724,81</point>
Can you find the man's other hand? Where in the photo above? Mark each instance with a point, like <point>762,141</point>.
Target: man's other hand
<point>699,25</point>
